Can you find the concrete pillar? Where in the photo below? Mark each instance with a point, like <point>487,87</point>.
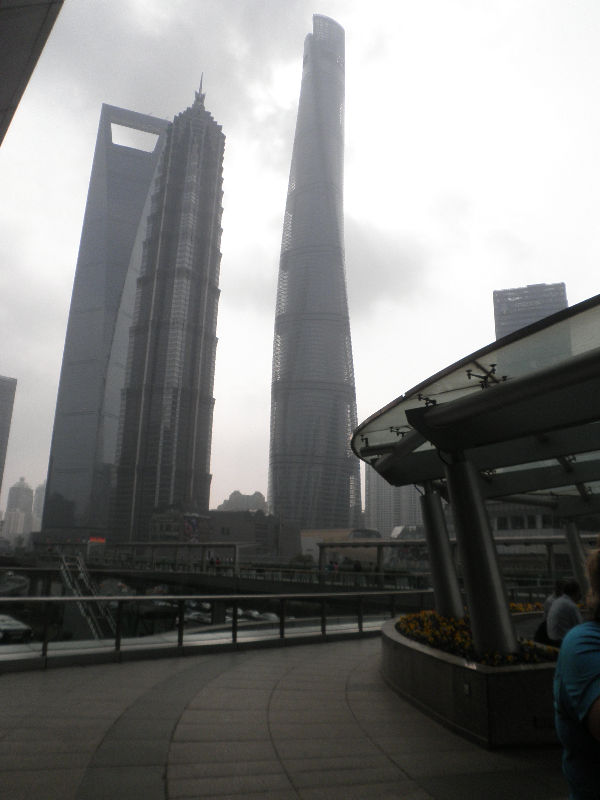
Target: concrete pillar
<point>491,622</point>
<point>577,555</point>
<point>448,600</point>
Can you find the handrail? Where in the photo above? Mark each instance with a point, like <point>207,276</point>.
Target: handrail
<point>336,614</point>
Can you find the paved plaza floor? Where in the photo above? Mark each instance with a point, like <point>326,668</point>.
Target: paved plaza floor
<point>314,722</point>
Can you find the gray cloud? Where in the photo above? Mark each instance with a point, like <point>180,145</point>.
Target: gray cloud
<point>380,266</point>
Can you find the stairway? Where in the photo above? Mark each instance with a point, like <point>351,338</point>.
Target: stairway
<point>78,583</point>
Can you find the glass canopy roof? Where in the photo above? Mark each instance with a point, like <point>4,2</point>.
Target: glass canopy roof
<point>524,409</point>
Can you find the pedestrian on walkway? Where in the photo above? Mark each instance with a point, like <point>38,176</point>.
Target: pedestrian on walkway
<point>577,697</point>
<point>564,614</point>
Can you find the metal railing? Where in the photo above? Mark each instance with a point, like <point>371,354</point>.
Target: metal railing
<point>299,618</point>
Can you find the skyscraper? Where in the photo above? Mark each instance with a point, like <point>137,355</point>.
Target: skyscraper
<point>134,411</point>
<point>18,509</point>
<point>313,479</point>
<point>166,416</point>
<point>516,308</point>
<point>388,507</point>
<point>83,452</point>
<point>8,387</point>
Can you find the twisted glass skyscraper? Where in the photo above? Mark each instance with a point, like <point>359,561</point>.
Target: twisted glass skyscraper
<point>314,479</point>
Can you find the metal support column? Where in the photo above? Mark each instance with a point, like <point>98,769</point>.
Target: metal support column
<point>551,562</point>
<point>491,622</point>
<point>577,555</point>
<point>321,562</point>
<point>448,600</point>
<point>379,567</point>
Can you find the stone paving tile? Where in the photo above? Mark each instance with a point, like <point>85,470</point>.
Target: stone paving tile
<point>234,784</point>
<point>42,784</point>
<point>315,730</point>
<point>99,709</point>
<point>295,700</point>
<point>395,790</point>
<point>16,761</point>
<point>215,732</point>
<point>451,763</point>
<point>243,682</point>
<point>66,734</point>
<point>127,729</point>
<point>137,753</point>
<point>224,769</point>
<point>492,786</point>
<point>313,748</point>
<point>283,794</point>
<point>325,714</point>
<point>15,748</point>
<point>405,743</point>
<point>324,763</point>
<point>229,716</point>
<point>128,783</point>
<point>347,777</point>
<point>230,699</point>
<point>188,752</point>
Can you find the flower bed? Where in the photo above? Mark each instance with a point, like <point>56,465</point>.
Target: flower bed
<point>497,706</point>
<point>454,636</point>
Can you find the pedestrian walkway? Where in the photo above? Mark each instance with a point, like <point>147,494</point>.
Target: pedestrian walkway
<point>314,722</point>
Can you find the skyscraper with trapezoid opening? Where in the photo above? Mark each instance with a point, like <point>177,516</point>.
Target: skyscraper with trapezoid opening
<point>313,478</point>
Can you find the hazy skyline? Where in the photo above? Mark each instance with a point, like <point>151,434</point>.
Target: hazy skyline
<point>471,165</point>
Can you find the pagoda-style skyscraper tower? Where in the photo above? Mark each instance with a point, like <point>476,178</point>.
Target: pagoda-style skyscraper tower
<point>167,409</point>
<point>314,479</point>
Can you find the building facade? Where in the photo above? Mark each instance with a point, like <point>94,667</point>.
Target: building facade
<point>388,507</point>
<point>19,509</point>
<point>313,478</point>
<point>515,309</point>
<point>167,409</point>
<point>38,506</point>
<point>519,307</point>
<point>8,387</point>
<point>83,452</point>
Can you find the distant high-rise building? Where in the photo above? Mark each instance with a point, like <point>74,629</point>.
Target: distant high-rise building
<point>314,480</point>
<point>8,387</point>
<point>83,452</point>
<point>516,308</point>
<point>388,507</point>
<point>167,411</point>
<point>18,509</point>
<point>38,506</point>
<point>244,502</point>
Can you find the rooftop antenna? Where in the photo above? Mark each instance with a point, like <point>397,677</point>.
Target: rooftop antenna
<point>199,93</point>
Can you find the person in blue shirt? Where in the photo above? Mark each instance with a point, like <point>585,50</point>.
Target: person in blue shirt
<point>577,697</point>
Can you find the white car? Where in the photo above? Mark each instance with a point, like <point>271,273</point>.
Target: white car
<point>12,630</point>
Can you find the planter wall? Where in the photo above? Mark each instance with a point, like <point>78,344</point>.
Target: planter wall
<point>495,706</point>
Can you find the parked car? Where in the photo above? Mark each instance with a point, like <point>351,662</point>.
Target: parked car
<point>12,630</point>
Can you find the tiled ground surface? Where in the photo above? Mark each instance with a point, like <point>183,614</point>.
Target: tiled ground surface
<point>306,722</point>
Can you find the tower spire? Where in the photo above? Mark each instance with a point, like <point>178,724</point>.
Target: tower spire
<point>200,94</point>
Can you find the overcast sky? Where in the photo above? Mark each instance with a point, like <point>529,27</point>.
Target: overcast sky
<point>472,164</point>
